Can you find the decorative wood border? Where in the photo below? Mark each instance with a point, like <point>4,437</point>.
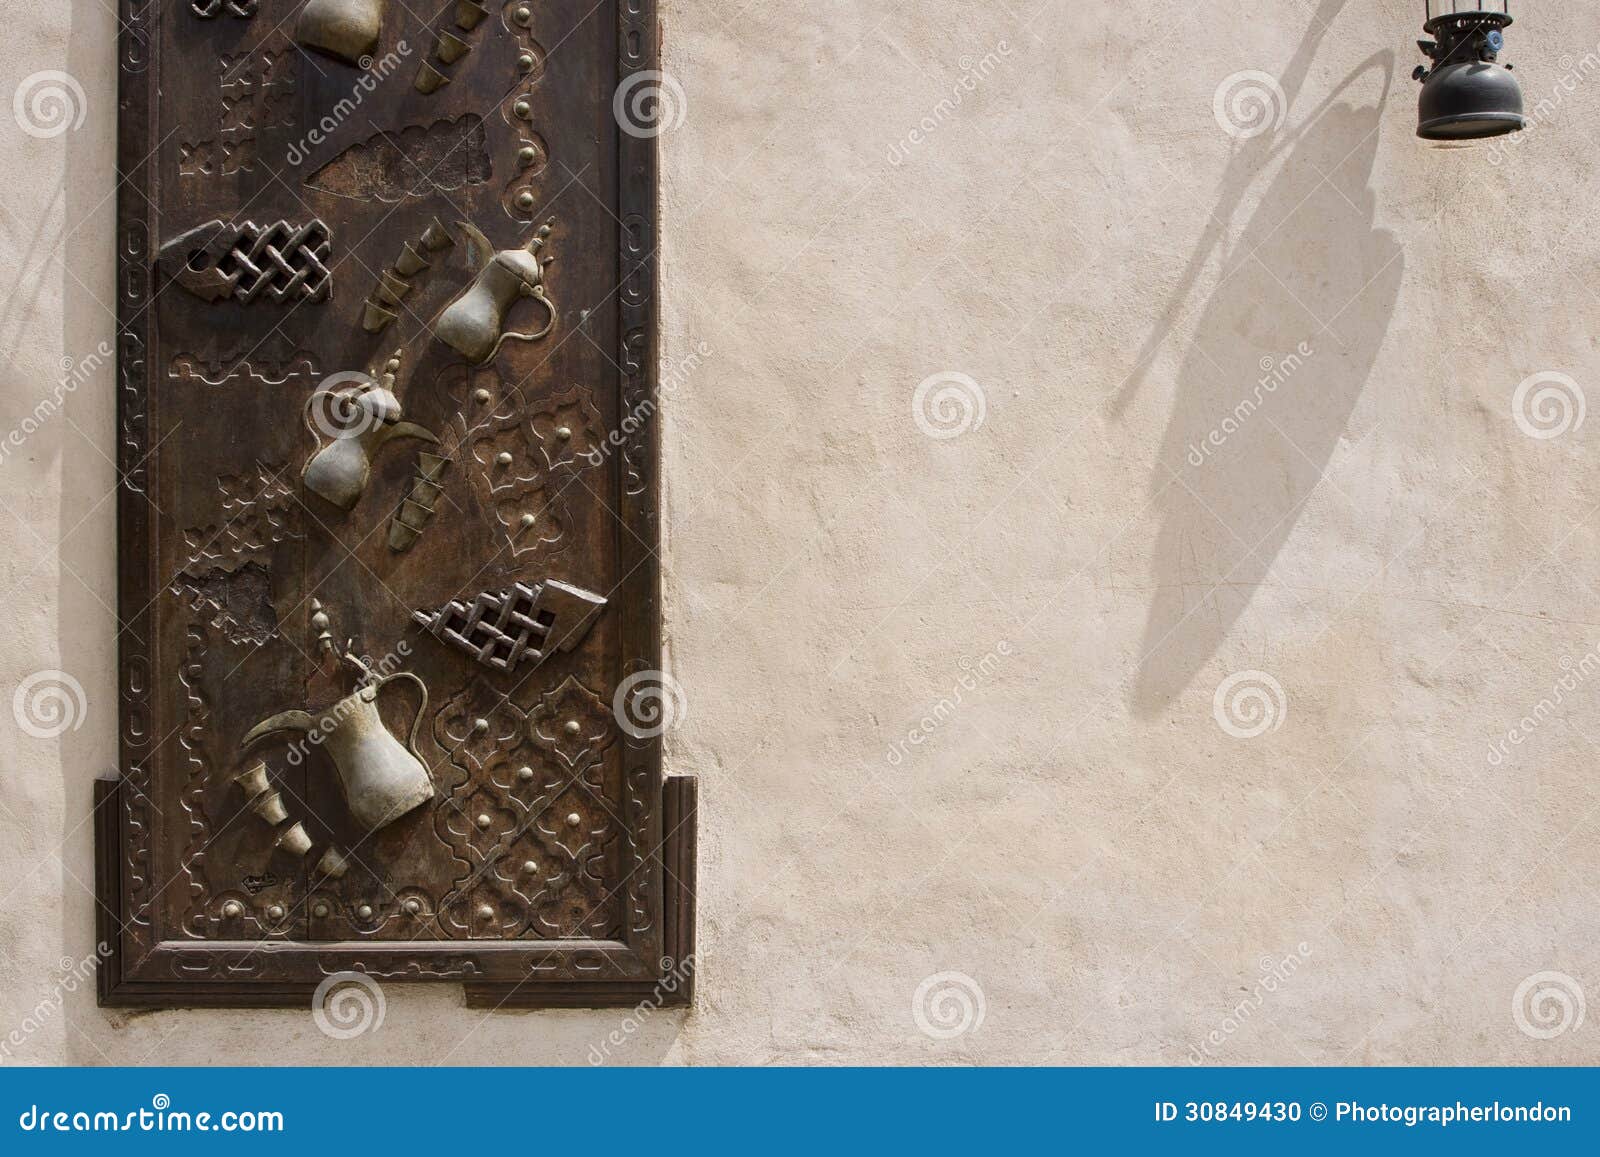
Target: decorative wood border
<point>655,960</point>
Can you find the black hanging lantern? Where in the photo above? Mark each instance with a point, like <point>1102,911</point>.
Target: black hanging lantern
<point>1467,94</point>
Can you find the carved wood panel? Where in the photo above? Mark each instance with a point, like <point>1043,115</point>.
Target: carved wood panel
<point>386,298</point>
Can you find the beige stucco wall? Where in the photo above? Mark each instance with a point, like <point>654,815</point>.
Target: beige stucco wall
<point>1120,877</point>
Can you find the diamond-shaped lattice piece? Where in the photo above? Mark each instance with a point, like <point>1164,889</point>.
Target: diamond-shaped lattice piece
<point>503,629</point>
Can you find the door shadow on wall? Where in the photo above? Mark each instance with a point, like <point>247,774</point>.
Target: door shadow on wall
<point>1282,351</point>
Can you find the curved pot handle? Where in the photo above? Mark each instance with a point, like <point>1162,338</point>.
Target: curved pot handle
<point>422,707</point>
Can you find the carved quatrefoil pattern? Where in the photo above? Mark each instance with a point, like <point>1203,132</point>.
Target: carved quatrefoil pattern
<point>523,456</point>
<point>530,814</point>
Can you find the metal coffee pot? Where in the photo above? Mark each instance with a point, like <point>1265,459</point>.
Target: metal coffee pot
<point>382,778</point>
<point>346,30</point>
<point>472,324</point>
<point>368,415</point>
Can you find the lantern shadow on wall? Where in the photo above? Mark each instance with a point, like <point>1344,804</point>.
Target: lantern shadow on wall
<point>1310,284</point>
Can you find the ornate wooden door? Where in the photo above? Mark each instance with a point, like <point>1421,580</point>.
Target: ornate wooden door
<point>391,697</point>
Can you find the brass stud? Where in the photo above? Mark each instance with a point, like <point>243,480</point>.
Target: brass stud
<point>365,911</point>
<point>483,820</point>
<point>503,458</point>
<point>564,433</point>
<point>574,819</point>
<point>527,521</point>
<point>319,909</point>
<point>525,774</point>
<point>523,109</point>
<point>523,15</point>
<point>480,725</point>
<point>572,726</point>
<point>233,909</point>
<point>481,397</point>
<point>275,912</point>
<point>526,155</point>
<point>524,200</point>
<point>485,912</point>
<point>529,866</point>
<point>414,906</point>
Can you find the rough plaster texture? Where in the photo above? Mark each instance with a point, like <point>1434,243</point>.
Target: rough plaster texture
<point>1121,877</point>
